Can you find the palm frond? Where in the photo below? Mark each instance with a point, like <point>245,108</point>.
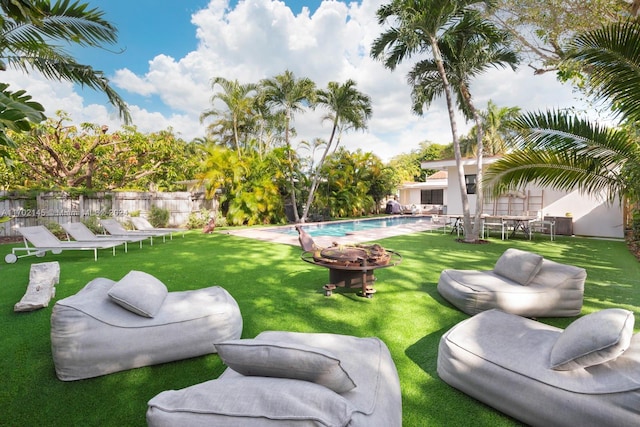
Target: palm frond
<point>611,56</point>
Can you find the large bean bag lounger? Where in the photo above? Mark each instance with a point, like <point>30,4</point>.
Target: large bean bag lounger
<point>521,283</point>
<point>585,375</point>
<point>290,379</point>
<point>112,326</point>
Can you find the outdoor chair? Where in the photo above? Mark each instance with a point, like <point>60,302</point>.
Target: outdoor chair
<point>81,233</point>
<point>142,224</point>
<point>111,326</point>
<point>114,228</point>
<point>38,240</point>
<point>441,221</point>
<point>586,375</point>
<point>521,283</point>
<point>291,379</point>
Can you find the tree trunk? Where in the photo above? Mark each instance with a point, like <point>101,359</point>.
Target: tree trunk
<point>454,133</point>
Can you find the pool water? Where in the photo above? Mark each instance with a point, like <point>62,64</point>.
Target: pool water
<point>342,228</point>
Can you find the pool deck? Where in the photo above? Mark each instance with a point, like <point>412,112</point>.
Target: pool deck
<point>324,241</point>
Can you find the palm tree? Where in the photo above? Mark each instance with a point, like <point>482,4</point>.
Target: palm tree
<point>235,122</point>
<point>496,130</point>
<point>288,95</point>
<point>347,108</point>
<point>32,35</point>
<point>462,45</point>
<point>566,152</point>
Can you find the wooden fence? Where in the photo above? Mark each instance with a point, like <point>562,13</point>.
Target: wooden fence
<point>60,207</point>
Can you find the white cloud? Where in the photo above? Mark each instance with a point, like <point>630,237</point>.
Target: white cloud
<point>262,38</point>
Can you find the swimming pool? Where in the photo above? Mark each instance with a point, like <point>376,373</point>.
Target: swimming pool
<point>343,228</point>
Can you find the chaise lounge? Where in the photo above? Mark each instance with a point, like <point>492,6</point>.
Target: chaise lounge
<point>586,375</point>
<point>521,283</point>
<point>112,326</point>
<point>291,379</point>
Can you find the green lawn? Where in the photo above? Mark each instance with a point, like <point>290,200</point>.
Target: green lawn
<point>278,291</point>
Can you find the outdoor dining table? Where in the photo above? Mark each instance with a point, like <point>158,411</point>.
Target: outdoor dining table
<point>519,223</point>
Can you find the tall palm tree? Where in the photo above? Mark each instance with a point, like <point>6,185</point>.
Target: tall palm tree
<point>288,95</point>
<point>239,100</point>
<point>566,152</point>
<point>462,45</point>
<point>346,108</point>
<point>33,33</point>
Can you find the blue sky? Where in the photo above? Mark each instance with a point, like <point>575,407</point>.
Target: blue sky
<point>172,49</point>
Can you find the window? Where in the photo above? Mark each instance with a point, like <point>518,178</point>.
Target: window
<point>432,197</point>
<point>470,181</point>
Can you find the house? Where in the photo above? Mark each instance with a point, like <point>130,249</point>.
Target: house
<point>429,196</point>
<point>574,213</point>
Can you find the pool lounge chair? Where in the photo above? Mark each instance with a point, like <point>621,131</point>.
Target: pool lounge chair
<point>43,240</point>
<point>142,224</point>
<point>114,228</point>
<point>81,233</point>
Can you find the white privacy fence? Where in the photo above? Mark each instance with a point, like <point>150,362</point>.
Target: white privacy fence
<point>61,207</point>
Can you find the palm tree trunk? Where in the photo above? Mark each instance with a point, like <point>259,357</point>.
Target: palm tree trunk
<point>292,181</point>
<point>454,133</point>
<point>475,232</point>
<point>316,176</point>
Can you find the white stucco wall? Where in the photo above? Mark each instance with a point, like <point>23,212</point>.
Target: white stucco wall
<point>592,215</point>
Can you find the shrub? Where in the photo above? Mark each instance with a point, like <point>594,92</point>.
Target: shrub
<point>159,217</point>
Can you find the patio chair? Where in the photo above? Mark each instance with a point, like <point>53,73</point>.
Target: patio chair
<point>43,240</point>
<point>114,228</point>
<point>441,221</point>
<point>81,233</point>
<point>142,224</point>
<point>521,282</point>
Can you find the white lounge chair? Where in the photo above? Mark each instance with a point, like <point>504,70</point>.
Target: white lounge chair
<point>81,233</point>
<point>114,228</point>
<point>43,240</point>
<point>142,224</point>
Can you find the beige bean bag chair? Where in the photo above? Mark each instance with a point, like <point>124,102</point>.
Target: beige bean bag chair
<point>586,375</point>
<point>290,379</point>
<point>521,283</point>
<point>112,326</point>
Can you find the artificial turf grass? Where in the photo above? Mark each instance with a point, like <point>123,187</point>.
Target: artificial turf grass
<point>278,291</point>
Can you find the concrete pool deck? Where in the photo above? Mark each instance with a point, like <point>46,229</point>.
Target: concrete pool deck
<point>324,241</point>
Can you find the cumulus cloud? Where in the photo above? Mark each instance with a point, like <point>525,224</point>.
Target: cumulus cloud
<point>258,39</point>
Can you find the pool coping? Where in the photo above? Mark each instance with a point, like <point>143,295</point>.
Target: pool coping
<point>268,235</point>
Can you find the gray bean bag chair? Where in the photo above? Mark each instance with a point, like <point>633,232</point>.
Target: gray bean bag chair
<point>521,283</point>
<point>112,326</point>
<point>586,375</point>
<point>290,379</point>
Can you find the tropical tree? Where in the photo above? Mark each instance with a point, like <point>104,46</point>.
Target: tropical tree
<point>249,186</point>
<point>567,152</point>
<point>348,183</point>
<point>542,29</point>
<point>234,124</point>
<point>456,37</point>
<point>468,48</point>
<point>32,35</point>
<point>58,154</point>
<point>347,108</point>
<point>286,95</point>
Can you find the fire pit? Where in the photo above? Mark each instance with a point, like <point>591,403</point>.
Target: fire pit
<point>352,266</point>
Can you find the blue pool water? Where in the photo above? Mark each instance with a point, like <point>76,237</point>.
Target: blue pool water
<point>342,228</point>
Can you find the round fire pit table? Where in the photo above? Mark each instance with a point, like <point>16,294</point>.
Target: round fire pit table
<point>352,266</point>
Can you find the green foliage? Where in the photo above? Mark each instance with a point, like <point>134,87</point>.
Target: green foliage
<point>93,223</point>
<point>35,36</point>
<point>159,217</point>
<point>83,158</point>
<point>564,151</point>
<point>198,220</point>
<point>17,113</point>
